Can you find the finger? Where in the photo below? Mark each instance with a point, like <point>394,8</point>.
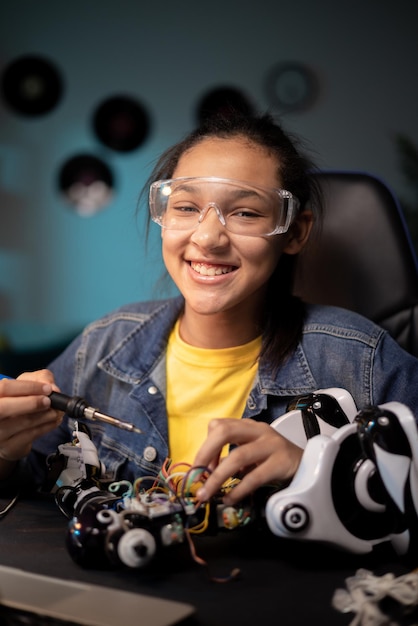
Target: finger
<point>24,395</point>
<point>19,444</point>
<point>221,432</point>
<point>276,465</point>
<point>258,477</point>
<point>266,458</point>
<point>44,375</point>
<point>23,387</point>
<point>229,467</point>
<point>10,426</point>
<point>13,406</point>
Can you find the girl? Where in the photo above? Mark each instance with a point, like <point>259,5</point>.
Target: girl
<point>218,364</point>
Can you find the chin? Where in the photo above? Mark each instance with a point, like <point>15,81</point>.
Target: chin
<point>205,307</point>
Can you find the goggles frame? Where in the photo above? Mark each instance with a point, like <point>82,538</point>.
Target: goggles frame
<point>289,204</point>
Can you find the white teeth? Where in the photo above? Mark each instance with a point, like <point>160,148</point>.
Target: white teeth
<point>211,270</point>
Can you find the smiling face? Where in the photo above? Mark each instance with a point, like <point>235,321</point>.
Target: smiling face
<point>223,276</point>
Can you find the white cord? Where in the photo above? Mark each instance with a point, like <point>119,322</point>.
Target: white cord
<point>7,508</point>
<point>365,591</point>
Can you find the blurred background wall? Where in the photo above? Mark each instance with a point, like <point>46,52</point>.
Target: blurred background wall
<point>61,266</point>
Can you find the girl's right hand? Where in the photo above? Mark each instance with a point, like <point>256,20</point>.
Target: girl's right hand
<point>25,414</point>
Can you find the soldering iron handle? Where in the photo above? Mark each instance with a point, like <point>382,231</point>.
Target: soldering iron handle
<point>73,406</point>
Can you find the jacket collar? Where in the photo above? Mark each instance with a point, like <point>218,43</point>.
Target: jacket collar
<point>139,353</point>
<point>294,377</point>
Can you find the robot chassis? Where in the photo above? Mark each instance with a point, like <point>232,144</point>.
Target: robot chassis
<point>356,487</point>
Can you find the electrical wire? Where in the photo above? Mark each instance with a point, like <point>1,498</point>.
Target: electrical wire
<point>178,483</point>
<point>9,505</point>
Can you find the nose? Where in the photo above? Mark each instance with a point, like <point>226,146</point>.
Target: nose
<point>211,230</point>
<point>217,211</point>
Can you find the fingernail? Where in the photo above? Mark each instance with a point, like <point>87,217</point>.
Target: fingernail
<point>47,389</point>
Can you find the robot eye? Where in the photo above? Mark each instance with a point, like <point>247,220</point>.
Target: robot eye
<point>295,517</point>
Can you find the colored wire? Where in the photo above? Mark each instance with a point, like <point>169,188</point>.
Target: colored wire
<point>217,579</point>
<point>178,483</point>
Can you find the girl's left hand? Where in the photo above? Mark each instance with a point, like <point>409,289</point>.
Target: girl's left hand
<point>262,456</point>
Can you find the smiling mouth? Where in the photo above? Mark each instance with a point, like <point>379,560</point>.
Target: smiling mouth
<point>207,269</point>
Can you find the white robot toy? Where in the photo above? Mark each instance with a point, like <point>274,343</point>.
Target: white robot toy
<point>357,484</point>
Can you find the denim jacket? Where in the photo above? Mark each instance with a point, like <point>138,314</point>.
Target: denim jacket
<point>118,366</point>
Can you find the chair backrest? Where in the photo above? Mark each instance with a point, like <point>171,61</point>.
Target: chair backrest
<point>363,259</point>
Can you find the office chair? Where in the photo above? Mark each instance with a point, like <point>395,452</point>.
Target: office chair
<point>363,259</point>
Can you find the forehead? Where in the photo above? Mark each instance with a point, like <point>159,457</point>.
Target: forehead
<point>181,188</point>
<point>235,158</point>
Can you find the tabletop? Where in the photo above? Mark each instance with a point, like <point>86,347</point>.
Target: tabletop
<point>282,582</point>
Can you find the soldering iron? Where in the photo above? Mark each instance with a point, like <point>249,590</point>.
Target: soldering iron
<point>78,408</point>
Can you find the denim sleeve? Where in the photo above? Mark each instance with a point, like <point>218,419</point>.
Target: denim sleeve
<point>394,375</point>
<point>34,467</point>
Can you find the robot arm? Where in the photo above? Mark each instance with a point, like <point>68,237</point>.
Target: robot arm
<point>321,412</point>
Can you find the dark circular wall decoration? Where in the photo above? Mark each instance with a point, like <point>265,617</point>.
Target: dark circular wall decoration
<point>291,86</point>
<point>121,123</point>
<point>31,85</point>
<point>223,101</point>
<point>87,183</point>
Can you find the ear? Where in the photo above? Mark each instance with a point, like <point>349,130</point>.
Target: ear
<point>299,232</point>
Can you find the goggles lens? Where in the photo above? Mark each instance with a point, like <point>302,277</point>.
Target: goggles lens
<point>243,209</point>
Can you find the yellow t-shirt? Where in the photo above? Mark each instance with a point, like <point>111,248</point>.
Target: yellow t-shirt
<point>203,384</point>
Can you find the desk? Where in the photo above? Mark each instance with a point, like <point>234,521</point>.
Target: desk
<point>281,582</point>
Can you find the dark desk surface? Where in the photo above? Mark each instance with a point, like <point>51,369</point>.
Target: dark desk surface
<point>281,582</point>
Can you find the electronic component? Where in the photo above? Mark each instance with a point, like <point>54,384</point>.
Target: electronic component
<point>356,487</point>
<point>130,525</point>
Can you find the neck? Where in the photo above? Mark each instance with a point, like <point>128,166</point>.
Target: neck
<point>221,330</point>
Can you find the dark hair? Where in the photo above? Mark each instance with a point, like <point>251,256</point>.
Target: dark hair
<point>281,326</point>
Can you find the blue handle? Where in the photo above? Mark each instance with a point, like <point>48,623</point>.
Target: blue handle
<point>4,376</point>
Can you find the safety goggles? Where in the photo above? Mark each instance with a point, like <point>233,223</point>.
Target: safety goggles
<point>243,209</point>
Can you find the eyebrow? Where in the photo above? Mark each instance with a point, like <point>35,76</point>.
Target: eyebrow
<point>238,192</point>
